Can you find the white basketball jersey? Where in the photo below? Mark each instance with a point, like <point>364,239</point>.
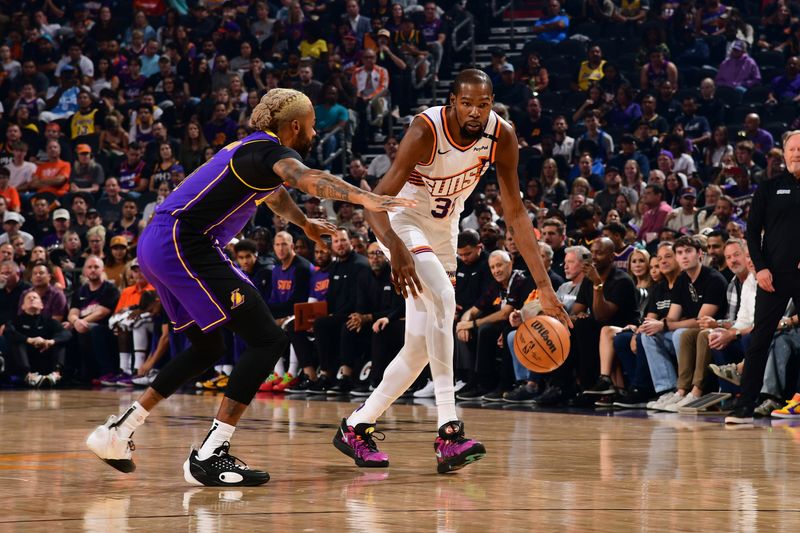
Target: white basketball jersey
<point>442,184</point>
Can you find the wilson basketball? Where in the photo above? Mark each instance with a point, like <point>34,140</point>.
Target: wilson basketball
<point>541,343</point>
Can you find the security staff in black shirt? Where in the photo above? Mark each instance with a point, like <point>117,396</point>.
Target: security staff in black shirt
<point>332,337</point>
<point>775,211</point>
<point>472,271</point>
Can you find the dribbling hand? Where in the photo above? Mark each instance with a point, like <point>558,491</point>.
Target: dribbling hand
<point>552,306</point>
<point>404,273</point>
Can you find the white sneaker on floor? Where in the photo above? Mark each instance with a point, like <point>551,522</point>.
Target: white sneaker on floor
<point>107,444</point>
<point>662,400</point>
<point>426,391</point>
<point>682,401</point>
<point>34,379</point>
<point>460,385</point>
<point>146,380</point>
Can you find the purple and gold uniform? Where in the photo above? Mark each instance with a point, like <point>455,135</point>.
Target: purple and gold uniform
<point>180,251</point>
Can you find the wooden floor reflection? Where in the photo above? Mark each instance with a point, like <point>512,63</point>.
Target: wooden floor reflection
<point>544,471</point>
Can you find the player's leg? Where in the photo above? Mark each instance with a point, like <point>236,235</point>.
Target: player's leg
<point>112,442</point>
<point>354,437</point>
<point>265,342</point>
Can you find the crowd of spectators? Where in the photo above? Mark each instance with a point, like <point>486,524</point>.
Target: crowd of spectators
<point>644,128</point>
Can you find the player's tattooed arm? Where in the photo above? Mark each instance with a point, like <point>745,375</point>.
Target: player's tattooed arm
<point>281,203</point>
<point>324,185</point>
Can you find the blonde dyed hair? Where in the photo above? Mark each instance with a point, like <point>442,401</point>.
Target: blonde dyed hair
<point>279,106</point>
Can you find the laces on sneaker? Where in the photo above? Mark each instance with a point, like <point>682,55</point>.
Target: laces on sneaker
<point>223,454</point>
<point>369,437</point>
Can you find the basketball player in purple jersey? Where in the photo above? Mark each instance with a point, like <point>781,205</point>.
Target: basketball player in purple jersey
<point>439,162</point>
<point>180,253</point>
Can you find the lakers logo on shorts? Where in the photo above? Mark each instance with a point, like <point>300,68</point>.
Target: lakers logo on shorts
<point>237,298</point>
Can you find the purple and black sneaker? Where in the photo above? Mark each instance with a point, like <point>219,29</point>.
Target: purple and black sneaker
<point>453,450</point>
<point>359,443</point>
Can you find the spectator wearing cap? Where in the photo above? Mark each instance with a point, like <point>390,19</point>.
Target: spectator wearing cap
<point>761,138</point>
<point>400,80</point>
<point>61,224</point>
<point>117,261</point>
<point>628,151</point>
<point>742,185</point>
<point>8,192</point>
<point>553,26</point>
<point>739,70</point>
<point>498,62</point>
<point>12,224</point>
<point>509,91</point>
<point>681,218</point>
<point>591,69</point>
<point>607,198</point>
<point>87,175</point>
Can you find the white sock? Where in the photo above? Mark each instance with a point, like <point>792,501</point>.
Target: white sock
<point>138,359</point>
<point>227,369</point>
<point>132,419</point>
<point>125,362</point>
<point>292,361</point>
<point>280,367</point>
<point>220,432</point>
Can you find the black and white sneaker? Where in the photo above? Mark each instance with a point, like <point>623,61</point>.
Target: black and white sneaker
<point>108,444</point>
<point>221,470</point>
<point>603,387</point>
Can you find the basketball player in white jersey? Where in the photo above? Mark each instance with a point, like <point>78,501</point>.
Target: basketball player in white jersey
<point>439,162</point>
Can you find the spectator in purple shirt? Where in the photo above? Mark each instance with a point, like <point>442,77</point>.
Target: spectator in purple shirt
<point>221,129</point>
<point>761,138</point>
<point>786,88</point>
<point>739,70</point>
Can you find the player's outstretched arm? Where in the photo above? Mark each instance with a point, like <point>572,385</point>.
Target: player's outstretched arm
<point>417,145</point>
<point>281,203</point>
<point>519,225</point>
<point>324,185</point>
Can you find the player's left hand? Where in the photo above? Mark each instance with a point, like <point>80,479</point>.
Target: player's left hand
<point>315,228</point>
<point>552,306</point>
<point>378,203</point>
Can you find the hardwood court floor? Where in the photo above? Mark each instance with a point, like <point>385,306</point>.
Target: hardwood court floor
<point>543,472</point>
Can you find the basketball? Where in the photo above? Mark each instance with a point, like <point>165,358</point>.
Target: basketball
<point>541,343</point>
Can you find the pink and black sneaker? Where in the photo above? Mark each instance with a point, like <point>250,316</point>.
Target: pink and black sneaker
<point>359,443</point>
<point>453,450</point>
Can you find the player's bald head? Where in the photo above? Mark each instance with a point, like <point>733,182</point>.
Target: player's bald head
<point>472,77</point>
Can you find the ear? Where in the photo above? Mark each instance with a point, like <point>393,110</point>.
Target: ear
<point>452,99</point>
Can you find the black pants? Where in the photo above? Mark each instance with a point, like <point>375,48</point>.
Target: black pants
<point>99,351</point>
<point>385,346</point>
<point>487,363</point>
<point>770,307</point>
<point>337,345</point>
<point>26,358</point>
<point>583,361</point>
<point>253,323</point>
<point>303,347</point>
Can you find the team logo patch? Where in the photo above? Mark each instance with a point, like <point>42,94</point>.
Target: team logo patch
<point>237,298</point>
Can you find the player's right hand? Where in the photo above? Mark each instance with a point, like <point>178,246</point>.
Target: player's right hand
<point>379,203</point>
<point>553,307</point>
<point>404,273</point>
